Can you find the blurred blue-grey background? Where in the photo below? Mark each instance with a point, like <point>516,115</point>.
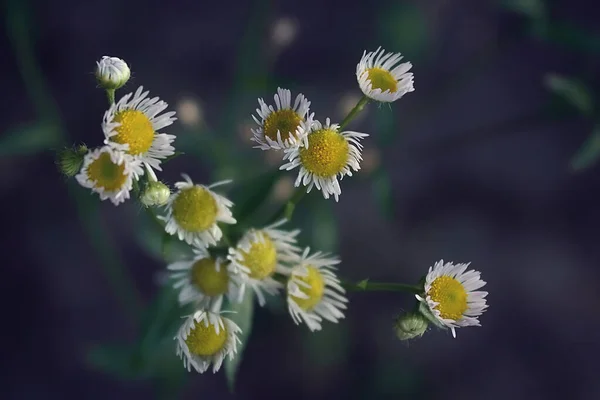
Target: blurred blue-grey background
<point>490,160</point>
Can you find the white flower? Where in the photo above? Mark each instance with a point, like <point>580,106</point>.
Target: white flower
<point>206,337</point>
<point>285,126</point>
<point>109,173</point>
<point>132,124</point>
<point>203,280</point>
<point>314,292</point>
<point>259,255</point>
<point>327,155</point>
<point>194,211</point>
<point>381,78</point>
<point>112,72</point>
<point>451,298</point>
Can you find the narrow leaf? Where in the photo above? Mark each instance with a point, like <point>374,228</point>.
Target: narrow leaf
<point>363,284</point>
<point>29,139</point>
<point>588,153</point>
<point>572,91</point>
<point>243,318</point>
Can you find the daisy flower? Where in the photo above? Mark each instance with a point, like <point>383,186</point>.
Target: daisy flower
<point>206,337</point>
<point>194,211</point>
<point>132,124</point>
<point>314,292</point>
<point>283,127</point>
<point>203,280</point>
<point>451,298</point>
<point>381,78</point>
<point>109,173</point>
<point>327,155</point>
<point>259,254</point>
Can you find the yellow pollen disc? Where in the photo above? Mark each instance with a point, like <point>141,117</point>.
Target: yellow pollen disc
<point>284,121</point>
<point>314,293</point>
<point>206,277</point>
<point>135,130</point>
<point>382,79</point>
<point>451,296</point>
<point>195,209</point>
<point>326,154</point>
<point>261,258</point>
<point>204,340</point>
<point>106,174</point>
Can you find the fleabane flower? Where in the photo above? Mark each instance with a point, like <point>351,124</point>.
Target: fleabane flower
<point>194,211</point>
<point>109,173</point>
<point>451,299</point>
<point>284,126</point>
<point>203,280</point>
<point>207,338</point>
<point>259,254</point>
<point>112,72</point>
<point>382,78</point>
<point>327,155</point>
<point>132,124</point>
<point>314,292</point>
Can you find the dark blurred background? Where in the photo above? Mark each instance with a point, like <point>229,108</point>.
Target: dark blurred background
<point>490,160</point>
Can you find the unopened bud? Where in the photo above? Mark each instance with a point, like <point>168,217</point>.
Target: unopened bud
<point>155,194</point>
<point>410,326</point>
<point>70,159</point>
<point>112,72</point>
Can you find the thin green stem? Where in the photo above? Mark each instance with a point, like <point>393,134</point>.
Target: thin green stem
<point>110,94</point>
<point>366,286</point>
<point>287,209</point>
<point>354,112</point>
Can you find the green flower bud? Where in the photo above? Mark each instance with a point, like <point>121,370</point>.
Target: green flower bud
<point>112,72</point>
<point>410,326</point>
<point>70,159</point>
<point>155,194</point>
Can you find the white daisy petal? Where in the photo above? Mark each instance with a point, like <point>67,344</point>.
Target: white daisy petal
<point>381,79</point>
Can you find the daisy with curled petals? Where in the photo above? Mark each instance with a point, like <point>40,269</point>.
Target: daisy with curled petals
<point>207,338</point>
<point>284,126</point>
<point>194,211</point>
<point>381,78</point>
<point>451,298</point>
<point>132,124</point>
<point>327,155</point>
<point>109,173</point>
<point>314,292</point>
<point>203,280</point>
<point>259,254</point>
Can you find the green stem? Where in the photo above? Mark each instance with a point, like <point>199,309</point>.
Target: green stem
<point>287,209</point>
<point>110,94</point>
<point>354,112</point>
<point>382,287</point>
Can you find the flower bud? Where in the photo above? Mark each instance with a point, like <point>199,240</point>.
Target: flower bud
<point>70,159</point>
<point>155,194</point>
<point>410,326</point>
<point>112,72</point>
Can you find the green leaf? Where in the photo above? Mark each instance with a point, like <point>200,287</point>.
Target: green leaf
<point>382,190</point>
<point>363,284</point>
<point>243,318</point>
<point>588,153</point>
<point>248,197</point>
<point>572,91</point>
<point>29,139</point>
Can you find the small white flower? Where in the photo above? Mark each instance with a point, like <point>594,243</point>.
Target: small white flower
<point>260,254</point>
<point>327,155</point>
<point>206,337</point>
<point>194,211</point>
<point>314,292</point>
<point>451,298</point>
<point>203,280</point>
<point>112,72</point>
<point>132,124</point>
<point>109,173</point>
<point>285,126</point>
<point>381,78</point>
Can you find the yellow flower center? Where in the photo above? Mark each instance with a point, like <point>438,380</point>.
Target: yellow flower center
<point>451,296</point>
<point>206,277</point>
<point>284,121</point>
<point>204,340</point>
<point>195,209</point>
<point>261,258</point>
<point>135,130</point>
<point>314,292</point>
<point>326,154</point>
<point>106,174</point>
<point>382,79</point>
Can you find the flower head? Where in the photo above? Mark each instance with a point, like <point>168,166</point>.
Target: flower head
<point>109,173</point>
<point>283,127</point>
<point>132,124</point>
<point>381,78</point>
<point>70,159</point>
<point>327,155</point>
<point>259,255</point>
<point>112,72</point>
<point>451,298</point>
<point>314,292</point>
<point>206,337</point>
<point>194,211</point>
<point>410,326</point>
